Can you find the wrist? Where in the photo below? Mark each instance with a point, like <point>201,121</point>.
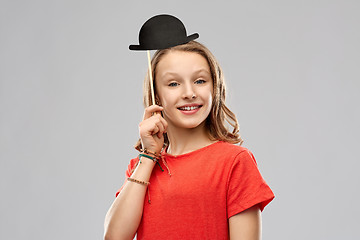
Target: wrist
<point>151,157</point>
<point>154,154</point>
<point>147,159</point>
<point>154,149</point>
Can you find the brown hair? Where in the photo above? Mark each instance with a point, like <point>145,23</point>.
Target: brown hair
<point>220,113</point>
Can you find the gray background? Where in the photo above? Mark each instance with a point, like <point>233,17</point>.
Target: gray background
<point>70,103</point>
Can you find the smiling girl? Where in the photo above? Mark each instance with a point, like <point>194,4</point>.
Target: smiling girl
<point>190,180</point>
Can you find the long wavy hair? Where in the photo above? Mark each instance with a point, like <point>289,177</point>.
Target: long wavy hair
<point>221,118</point>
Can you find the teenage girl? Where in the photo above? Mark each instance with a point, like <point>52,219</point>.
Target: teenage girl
<point>190,180</point>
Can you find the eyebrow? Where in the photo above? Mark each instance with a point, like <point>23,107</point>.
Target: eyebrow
<point>202,70</point>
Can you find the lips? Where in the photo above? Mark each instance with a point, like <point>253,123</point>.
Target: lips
<point>189,107</point>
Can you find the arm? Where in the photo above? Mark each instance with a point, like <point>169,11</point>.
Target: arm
<point>246,225</point>
<point>124,216</point>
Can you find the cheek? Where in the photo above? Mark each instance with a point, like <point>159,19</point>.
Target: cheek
<point>209,101</point>
<point>208,96</point>
<point>166,101</point>
<point>160,96</point>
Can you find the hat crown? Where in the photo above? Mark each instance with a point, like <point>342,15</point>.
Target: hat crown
<point>160,32</point>
<point>161,29</point>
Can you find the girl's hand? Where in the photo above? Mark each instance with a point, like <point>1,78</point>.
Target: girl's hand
<point>152,128</point>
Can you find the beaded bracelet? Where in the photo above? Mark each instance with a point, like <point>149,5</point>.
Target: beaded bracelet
<point>150,152</point>
<point>156,155</point>
<point>138,181</point>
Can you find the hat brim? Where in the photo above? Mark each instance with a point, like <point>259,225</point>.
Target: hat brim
<point>140,47</point>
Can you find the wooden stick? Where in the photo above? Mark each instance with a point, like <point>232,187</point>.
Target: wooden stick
<point>151,79</point>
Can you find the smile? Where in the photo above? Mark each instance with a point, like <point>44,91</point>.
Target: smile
<point>189,108</point>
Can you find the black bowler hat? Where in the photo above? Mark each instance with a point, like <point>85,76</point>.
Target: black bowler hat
<point>162,31</point>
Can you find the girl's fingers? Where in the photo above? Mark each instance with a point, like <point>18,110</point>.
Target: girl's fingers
<point>149,111</point>
<point>152,125</point>
<point>161,127</point>
<point>152,128</point>
<point>155,130</point>
<point>159,133</point>
<point>164,123</point>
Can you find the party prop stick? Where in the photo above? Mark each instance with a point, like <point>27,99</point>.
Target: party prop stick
<point>161,32</point>
<point>151,79</point>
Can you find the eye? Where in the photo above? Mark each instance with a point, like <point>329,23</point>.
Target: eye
<point>173,84</point>
<point>200,81</point>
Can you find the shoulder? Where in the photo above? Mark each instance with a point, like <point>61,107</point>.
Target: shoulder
<point>228,154</point>
<point>229,149</point>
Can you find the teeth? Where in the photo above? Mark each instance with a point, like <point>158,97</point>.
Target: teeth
<point>189,108</point>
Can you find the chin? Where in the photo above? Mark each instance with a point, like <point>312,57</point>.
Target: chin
<point>180,121</point>
<point>191,124</point>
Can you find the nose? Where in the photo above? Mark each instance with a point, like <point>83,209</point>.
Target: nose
<point>188,92</point>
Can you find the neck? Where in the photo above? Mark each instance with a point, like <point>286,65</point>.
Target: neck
<point>183,141</point>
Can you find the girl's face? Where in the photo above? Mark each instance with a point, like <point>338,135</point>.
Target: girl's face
<point>184,88</point>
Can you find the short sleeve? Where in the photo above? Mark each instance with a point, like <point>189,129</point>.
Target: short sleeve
<point>246,186</point>
<point>128,173</point>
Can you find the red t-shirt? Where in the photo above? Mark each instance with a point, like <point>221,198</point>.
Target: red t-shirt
<point>206,187</point>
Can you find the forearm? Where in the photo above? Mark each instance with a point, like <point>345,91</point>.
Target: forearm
<point>124,216</point>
